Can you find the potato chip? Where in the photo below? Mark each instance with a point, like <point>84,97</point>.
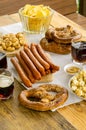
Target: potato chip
<point>36,11</point>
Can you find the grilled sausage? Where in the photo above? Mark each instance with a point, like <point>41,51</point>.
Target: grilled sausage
<point>43,55</point>
<point>30,64</point>
<point>21,73</point>
<point>25,68</point>
<point>39,58</point>
<point>35,61</point>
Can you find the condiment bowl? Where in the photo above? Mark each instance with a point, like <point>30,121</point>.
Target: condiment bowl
<point>72,68</point>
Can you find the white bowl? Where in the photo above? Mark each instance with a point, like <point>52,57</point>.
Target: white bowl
<point>72,68</point>
<point>76,85</point>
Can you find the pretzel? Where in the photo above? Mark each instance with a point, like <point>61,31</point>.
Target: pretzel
<point>41,99</point>
<point>65,34</point>
<point>58,40</point>
<point>49,33</point>
<point>54,47</point>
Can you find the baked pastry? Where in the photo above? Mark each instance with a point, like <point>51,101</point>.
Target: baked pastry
<point>41,99</point>
<point>58,40</point>
<point>54,47</point>
<point>65,34</point>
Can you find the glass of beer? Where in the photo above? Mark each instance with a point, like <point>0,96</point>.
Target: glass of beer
<point>78,52</point>
<point>3,60</point>
<point>6,84</point>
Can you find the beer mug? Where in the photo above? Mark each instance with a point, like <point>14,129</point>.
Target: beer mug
<point>6,84</point>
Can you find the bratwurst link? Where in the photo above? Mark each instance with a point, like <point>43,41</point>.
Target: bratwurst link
<point>25,68</point>
<point>32,64</point>
<point>42,54</point>
<point>21,73</point>
<point>39,58</point>
<point>35,61</point>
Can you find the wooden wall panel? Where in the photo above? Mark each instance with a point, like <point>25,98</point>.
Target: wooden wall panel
<point>62,6</point>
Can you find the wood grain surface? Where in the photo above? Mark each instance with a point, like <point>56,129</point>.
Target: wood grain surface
<point>69,8</point>
<point>12,6</point>
<point>13,116</point>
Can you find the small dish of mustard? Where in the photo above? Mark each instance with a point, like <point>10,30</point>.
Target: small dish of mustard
<point>72,68</point>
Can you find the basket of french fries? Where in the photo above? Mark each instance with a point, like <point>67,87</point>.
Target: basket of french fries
<point>35,18</point>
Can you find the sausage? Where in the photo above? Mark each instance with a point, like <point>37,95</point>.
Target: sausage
<point>35,61</point>
<point>31,66</point>
<point>43,55</point>
<point>21,73</point>
<point>25,68</point>
<point>39,58</point>
<point>48,71</point>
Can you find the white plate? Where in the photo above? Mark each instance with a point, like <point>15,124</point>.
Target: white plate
<point>71,71</point>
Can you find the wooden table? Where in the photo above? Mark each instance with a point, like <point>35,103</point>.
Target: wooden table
<point>13,116</point>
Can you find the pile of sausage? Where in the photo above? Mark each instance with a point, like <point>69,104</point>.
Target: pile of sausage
<point>32,63</point>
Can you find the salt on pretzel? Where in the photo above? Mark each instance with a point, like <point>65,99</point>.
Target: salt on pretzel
<point>65,34</point>
<point>42,98</point>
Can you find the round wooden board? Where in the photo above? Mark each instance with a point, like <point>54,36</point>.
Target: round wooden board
<point>13,53</point>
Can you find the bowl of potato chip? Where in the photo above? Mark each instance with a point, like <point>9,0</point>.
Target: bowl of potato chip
<point>35,18</point>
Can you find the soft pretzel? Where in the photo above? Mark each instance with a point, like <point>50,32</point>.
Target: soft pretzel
<point>52,46</point>
<point>42,99</point>
<point>65,38</point>
<point>58,40</point>
<point>49,33</point>
<point>62,34</point>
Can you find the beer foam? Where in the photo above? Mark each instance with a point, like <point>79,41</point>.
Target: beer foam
<point>5,81</point>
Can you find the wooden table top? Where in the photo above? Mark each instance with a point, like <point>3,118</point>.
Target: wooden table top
<point>13,116</point>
